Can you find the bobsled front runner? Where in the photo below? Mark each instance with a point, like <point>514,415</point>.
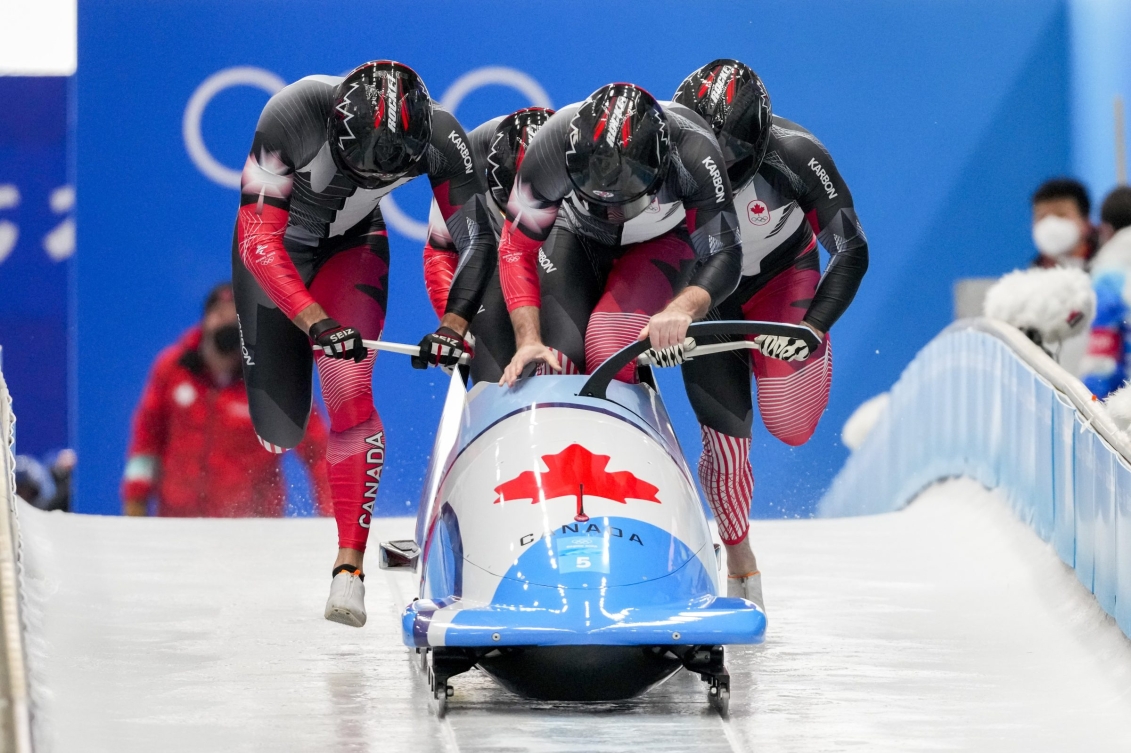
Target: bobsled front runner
<point>565,549</point>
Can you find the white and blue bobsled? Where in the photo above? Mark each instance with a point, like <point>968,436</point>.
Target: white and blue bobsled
<point>562,544</point>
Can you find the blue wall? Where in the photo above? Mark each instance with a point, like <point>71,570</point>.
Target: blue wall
<point>941,115</point>
<point>1101,70</point>
<point>33,282</point>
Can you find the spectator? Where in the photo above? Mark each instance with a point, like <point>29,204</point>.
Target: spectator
<point>46,485</point>
<point>193,448</point>
<point>1106,365</point>
<point>1062,231</point>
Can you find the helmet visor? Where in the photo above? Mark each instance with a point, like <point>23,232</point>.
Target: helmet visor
<point>612,178</point>
<point>735,149</point>
<point>362,178</point>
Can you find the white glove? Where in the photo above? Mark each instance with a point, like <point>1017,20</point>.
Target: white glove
<point>673,355</point>
<point>782,347</point>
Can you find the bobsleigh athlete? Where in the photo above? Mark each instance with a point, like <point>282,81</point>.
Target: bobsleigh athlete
<point>788,194</point>
<point>498,147</point>
<point>310,263</point>
<point>620,226</point>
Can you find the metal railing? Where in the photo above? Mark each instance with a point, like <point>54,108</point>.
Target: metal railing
<point>982,401</point>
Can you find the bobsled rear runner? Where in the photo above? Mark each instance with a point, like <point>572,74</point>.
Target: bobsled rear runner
<point>563,545</point>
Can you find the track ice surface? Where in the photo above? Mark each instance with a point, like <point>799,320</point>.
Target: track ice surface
<point>947,626</point>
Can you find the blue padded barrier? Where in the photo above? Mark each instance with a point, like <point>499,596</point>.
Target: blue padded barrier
<point>1123,545</point>
<point>1064,480</point>
<point>982,401</point>
<point>1104,570</point>
<point>1086,470</point>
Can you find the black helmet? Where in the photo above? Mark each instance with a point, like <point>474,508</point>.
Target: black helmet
<point>618,150</point>
<point>381,123</point>
<point>508,147</point>
<point>734,101</point>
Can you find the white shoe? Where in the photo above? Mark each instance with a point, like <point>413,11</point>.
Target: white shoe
<point>747,587</point>
<point>347,599</point>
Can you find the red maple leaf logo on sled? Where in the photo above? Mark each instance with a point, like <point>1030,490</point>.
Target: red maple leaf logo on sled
<point>575,471</point>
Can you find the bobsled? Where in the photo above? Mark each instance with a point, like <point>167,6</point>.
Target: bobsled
<point>561,545</point>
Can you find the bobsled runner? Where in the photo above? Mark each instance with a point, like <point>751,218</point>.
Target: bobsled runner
<point>561,544</point>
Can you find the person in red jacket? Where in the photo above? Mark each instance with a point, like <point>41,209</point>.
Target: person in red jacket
<point>193,447</point>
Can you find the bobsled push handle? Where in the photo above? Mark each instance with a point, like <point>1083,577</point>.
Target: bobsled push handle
<point>402,348</point>
<point>598,383</point>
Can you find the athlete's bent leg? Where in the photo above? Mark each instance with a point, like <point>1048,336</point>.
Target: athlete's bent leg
<point>493,333</point>
<point>791,398</point>
<point>643,280</point>
<point>728,482</point>
<point>351,286</point>
<point>718,387</point>
<point>572,277</point>
<point>792,395</point>
<point>276,361</point>
<point>355,452</point>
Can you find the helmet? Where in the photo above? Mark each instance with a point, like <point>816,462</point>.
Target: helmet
<point>734,101</point>
<point>381,123</point>
<point>508,147</point>
<point>618,150</point>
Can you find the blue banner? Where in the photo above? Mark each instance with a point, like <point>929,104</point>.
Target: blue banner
<point>940,141</point>
<point>37,239</point>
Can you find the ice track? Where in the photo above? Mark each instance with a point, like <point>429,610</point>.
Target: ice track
<point>947,626</point>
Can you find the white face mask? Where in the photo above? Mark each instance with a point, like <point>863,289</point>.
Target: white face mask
<point>1055,236</point>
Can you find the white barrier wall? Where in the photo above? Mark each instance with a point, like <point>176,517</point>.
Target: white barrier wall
<point>982,401</point>
<point>15,712</point>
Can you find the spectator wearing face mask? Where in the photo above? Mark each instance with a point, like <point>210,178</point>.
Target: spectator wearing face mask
<point>1108,362</point>
<point>193,451</point>
<point>1062,231</point>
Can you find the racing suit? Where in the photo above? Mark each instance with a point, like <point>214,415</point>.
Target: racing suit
<point>795,197</point>
<point>491,328</point>
<point>305,233</point>
<point>598,283</point>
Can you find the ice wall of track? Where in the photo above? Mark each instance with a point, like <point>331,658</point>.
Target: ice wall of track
<point>15,710</point>
<point>982,401</point>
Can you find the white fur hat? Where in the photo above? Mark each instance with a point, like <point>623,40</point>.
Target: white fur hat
<point>1118,406</point>
<point>1057,303</point>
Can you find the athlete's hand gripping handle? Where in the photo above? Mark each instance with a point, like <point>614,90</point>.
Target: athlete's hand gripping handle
<point>673,355</point>
<point>786,348</point>
<point>337,341</point>
<point>444,347</point>
<point>666,332</point>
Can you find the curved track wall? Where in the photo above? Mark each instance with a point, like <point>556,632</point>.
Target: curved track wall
<point>982,401</point>
<point>15,712</point>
